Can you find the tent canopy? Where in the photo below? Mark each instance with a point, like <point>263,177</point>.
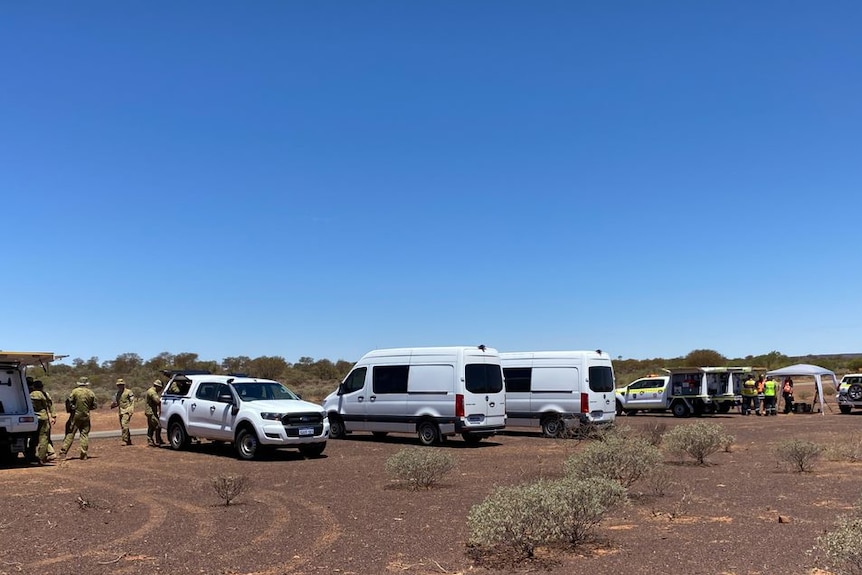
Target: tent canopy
<point>806,369</point>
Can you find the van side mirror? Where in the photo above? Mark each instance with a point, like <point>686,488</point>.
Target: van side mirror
<point>340,389</point>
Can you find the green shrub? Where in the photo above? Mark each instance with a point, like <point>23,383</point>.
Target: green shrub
<point>841,547</point>
<point>697,440</point>
<point>624,460</point>
<point>420,468</point>
<point>848,449</point>
<point>654,432</point>
<point>799,453</point>
<point>523,517</point>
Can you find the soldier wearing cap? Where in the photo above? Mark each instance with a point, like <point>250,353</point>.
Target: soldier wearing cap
<point>79,404</point>
<point>125,402</point>
<point>153,410</point>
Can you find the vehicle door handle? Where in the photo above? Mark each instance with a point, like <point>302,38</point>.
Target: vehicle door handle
<point>212,409</point>
<point>372,398</point>
<point>194,405</point>
<point>360,399</point>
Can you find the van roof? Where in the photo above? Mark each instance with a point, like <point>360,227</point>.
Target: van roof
<point>28,357</point>
<point>431,350</point>
<point>553,354</point>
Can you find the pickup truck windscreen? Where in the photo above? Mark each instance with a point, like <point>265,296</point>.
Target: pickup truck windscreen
<point>255,391</point>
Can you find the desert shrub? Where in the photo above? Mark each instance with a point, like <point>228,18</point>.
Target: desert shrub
<point>840,546</point>
<point>799,453</point>
<point>582,504</point>
<point>727,441</point>
<point>420,468</point>
<point>697,440</point>
<point>519,517</point>
<point>523,517</point>
<point>654,432</point>
<point>624,460</point>
<point>658,481</point>
<point>229,487</point>
<point>846,450</point>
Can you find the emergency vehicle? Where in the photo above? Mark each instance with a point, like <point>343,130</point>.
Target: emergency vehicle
<point>685,391</point>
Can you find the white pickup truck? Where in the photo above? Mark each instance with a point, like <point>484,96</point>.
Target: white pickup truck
<point>685,391</point>
<point>17,419</point>
<point>253,414</point>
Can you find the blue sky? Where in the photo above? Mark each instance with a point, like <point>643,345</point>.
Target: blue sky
<point>325,178</point>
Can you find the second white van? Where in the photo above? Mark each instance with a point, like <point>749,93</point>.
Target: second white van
<point>556,390</point>
<point>434,392</point>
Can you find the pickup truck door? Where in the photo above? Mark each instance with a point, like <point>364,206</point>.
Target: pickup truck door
<point>647,394</point>
<point>209,417</point>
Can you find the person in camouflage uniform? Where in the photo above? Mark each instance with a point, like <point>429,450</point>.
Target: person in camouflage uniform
<point>124,401</point>
<point>153,410</point>
<point>44,409</point>
<point>81,401</point>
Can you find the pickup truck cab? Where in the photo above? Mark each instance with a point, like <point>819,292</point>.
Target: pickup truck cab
<point>644,394</point>
<point>251,413</point>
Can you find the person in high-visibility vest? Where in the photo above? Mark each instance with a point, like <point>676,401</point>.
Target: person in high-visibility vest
<point>749,394</point>
<point>770,389</point>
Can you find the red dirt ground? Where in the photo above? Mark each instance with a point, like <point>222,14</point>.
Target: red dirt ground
<point>140,510</point>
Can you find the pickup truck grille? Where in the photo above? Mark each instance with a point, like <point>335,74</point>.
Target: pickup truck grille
<point>296,421</point>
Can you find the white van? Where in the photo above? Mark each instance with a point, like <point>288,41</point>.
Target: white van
<point>431,391</point>
<point>558,389</point>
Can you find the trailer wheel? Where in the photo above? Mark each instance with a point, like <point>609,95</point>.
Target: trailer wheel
<point>845,409</point>
<point>679,409</point>
<point>428,433</point>
<point>724,407</point>
<point>552,426</point>
<point>855,392</point>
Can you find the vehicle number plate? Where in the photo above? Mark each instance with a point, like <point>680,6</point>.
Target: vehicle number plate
<point>306,431</point>
<point>475,418</point>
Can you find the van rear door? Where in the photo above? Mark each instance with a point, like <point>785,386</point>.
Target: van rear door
<point>600,397</point>
<point>484,398</point>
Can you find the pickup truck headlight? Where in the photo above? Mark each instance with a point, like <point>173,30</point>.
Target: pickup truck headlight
<point>272,416</point>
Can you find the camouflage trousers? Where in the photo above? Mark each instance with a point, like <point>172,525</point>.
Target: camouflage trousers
<point>76,424</point>
<point>125,434</point>
<point>154,430</point>
<point>44,435</point>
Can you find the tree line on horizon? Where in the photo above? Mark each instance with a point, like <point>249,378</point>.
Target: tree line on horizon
<point>307,370</point>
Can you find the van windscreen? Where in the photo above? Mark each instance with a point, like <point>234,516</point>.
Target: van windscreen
<point>601,379</point>
<point>483,378</point>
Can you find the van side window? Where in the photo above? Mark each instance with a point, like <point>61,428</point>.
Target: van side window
<point>483,378</point>
<point>355,381</point>
<point>601,379</point>
<point>517,378</point>
<point>390,378</point>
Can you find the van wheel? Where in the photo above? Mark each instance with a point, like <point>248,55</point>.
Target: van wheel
<point>679,409</point>
<point>845,409</point>
<point>177,436</point>
<point>428,433</point>
<point>336,427</point>
<point>471,438</point>
<point>246,444</point>
<point>855,392</point>
<point>312,449</point>
<point>552,426</point>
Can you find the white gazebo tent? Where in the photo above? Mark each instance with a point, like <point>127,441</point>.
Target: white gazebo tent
<point>807,370</point>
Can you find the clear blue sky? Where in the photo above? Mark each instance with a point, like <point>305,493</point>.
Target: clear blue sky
<point>324,178</point>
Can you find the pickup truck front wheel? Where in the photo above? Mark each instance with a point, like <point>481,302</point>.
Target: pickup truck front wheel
<point>246,444</point>
<point>177,436</point>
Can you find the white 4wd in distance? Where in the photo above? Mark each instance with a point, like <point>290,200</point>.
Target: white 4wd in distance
<point>850,392</point>
<point>251,413</point>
